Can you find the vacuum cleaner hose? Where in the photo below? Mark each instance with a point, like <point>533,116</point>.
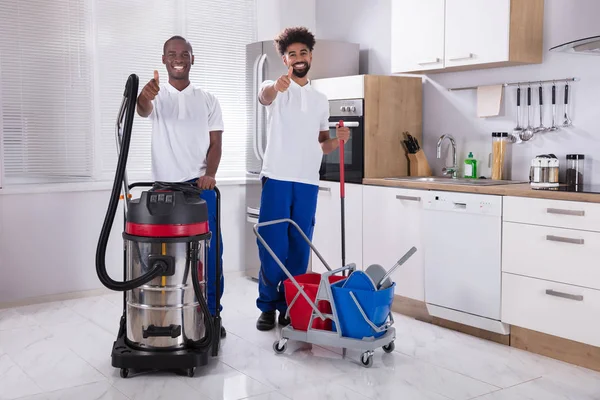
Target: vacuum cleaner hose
<point>206,342</point>
<point>130,94</point>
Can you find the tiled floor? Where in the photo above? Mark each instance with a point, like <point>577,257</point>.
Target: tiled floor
<point>61,351</point>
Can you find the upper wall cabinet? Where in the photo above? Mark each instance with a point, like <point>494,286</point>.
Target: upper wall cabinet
<point>417,35</point>
<point>459,35</point>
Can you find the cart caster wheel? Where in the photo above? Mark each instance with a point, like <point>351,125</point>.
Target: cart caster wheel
<point>367,360</point>
<point>191,372</point>
<point>124,373</point>
<point>279,349</point>
<point>389,348</point>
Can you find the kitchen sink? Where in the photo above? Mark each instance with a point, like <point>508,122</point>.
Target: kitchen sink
<point>453,181</point>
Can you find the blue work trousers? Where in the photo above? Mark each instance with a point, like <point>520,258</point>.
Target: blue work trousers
<point>211,202</point>
<point>298,202</point>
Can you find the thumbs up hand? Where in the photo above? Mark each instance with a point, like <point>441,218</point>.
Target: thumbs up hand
<point>283,82</point>
<point>152,88</point>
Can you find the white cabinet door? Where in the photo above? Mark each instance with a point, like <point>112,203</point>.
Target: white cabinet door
<point>477,32</point>
<point>327,237</point>
<point>391,226</point>
<point>553,308</point>
<point>417,35</point>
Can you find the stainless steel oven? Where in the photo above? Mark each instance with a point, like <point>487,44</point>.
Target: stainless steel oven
<point>351,112</point>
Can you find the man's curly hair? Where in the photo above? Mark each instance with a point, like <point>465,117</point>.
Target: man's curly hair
<point>294,35</point>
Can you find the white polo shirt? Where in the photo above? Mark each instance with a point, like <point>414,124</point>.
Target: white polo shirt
<point>294,120</point>
<point>181,125</point>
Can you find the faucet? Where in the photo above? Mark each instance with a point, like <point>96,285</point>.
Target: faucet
<point>453,169</point>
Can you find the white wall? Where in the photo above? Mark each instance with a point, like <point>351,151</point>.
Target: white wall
<point>359,21</point>
<point>272,16</point>
<point>48,240</point>
<point>368,22</point>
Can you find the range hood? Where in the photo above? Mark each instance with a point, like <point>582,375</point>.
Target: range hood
<point>585,46</point>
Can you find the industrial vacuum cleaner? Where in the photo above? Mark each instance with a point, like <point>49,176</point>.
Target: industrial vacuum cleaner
<point>166,323</point>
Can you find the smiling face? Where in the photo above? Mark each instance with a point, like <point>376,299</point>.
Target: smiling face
<point>299,57</point>
<point>178,59</point>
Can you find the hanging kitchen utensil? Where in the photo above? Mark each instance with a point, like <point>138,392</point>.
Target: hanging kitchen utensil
<point>567,122</point>
<point>528,132</point>
<point>518,129</point>
<point>554,127</point>
<point>541,128</point>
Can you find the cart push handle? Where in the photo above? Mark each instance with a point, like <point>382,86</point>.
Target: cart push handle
<point>286,271</point>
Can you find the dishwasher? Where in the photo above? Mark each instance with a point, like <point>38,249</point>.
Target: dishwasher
<point>462,239</point>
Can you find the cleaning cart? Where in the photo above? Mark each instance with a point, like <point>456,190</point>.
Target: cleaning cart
<point>351,312</point>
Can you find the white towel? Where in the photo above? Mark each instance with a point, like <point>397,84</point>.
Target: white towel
<point>489,100</point>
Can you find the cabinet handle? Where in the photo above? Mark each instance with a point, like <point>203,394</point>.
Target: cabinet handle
<point>409,198</point>
<point>324,189</point>
<point>435,61</point>
<point>565,212</point>
<point>471,55</point>
<point>564,239</point>
<point>576,297</point>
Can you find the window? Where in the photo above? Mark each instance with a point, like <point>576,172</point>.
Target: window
<point>219,40</point>
<point>64,64</point>
<point>129,39</point>
<point>45,90</point>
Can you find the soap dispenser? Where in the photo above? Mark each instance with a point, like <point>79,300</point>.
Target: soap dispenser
<point>470,167</point>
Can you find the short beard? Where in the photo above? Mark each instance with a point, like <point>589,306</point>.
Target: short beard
<point>303,73</point>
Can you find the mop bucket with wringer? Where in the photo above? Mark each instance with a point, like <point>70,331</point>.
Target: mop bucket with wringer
<point>299,310</point>
<point>362,313</point>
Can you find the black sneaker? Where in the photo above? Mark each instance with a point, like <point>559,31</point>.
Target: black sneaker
<point>266,321</point>
<point>223,332</point>
<point>282,320</point>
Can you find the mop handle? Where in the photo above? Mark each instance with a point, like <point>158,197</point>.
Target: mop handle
<point>342,196</point>
<point>342,189</point>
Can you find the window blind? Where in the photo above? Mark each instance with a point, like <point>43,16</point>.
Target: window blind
<point>46,90</point>
<point>64,64</point>
<point>130,37</point>
<point>219,33</point>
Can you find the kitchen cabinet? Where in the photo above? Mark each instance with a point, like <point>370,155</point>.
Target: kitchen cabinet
<point>477,32</point>
<point>391,226</point>
<point>552,308</point>
<point>415,48</point>
<point>327,236</point>
<point>550,279</point>
<point>473,34</point>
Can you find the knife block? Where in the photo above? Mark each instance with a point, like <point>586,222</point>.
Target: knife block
<point>418,164</point>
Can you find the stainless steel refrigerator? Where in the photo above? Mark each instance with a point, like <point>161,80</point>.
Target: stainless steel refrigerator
<point>263,62</point>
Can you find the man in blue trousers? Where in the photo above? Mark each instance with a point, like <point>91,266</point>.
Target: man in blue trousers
<point>187,125</point>
<point>297,137</point>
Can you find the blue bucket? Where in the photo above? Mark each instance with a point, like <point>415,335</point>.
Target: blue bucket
<point>375,304</point>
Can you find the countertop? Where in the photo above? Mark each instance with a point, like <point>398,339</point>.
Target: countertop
<point>516,190</point>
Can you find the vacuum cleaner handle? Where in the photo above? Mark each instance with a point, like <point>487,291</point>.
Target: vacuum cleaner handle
<point>127,113</point>
<point>217,323</point>
<point>141,184</point>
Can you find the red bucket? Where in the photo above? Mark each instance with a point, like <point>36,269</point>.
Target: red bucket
<point>300,311</point>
